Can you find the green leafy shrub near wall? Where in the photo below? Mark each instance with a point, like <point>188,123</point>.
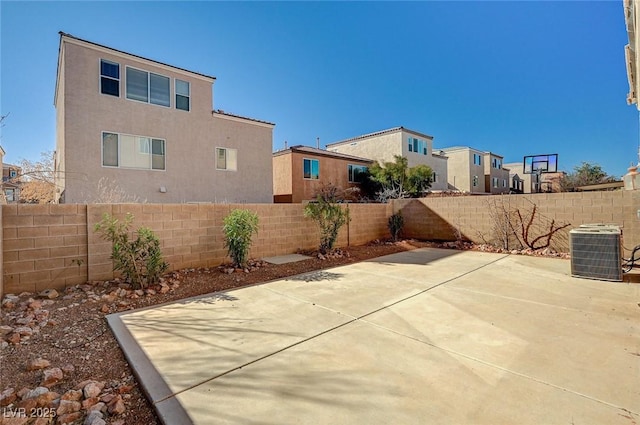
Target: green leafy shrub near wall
<point>139,260</point>
<point>239,227</point>
<point>395,224</point>
<point>330,218</point>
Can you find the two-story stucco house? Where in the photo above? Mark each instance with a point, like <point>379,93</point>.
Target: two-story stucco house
<point>475,171</point>
<point>299,172</point>
<point>150,130</point>
<point>383,145</point>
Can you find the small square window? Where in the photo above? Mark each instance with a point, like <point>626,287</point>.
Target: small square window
<point>226,159</point>
<point>311,169</point>
<point>109,78</point>
<point>183,97</point>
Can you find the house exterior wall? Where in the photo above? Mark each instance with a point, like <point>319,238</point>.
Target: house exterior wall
<point>331,171</point>
<point>282,180</point>
<point>491,172</point>
<point>191,138</point>
<point>384,146</point>
<point>461,170</point>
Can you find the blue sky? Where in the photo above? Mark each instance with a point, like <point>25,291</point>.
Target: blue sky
<point>516,78</point>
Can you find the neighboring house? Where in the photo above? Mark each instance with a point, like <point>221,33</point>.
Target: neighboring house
<point>300,171</point>
<point>549,182</point>
<point>11,182</point>
<point>496,177</point>
<point>382,146</point>
<point>149,130</point>
<point>466,169</point>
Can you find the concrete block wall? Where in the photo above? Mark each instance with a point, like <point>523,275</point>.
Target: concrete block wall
<point>440,218</point>
<point>43,246</point>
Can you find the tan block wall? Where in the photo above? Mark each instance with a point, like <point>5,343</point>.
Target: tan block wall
<point>44,246</point>
<point>438,218</point>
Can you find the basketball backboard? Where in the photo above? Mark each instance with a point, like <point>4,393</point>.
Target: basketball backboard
<point>534,164</point>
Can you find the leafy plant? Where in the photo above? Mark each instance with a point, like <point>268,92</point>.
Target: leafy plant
<point>139,260</point>
<point>395,224</point>
<point>239,227</point>
<point>330,218</point>
<point>397,180</point>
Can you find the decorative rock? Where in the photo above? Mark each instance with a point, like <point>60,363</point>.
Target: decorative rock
<point>87,403</point>
<point>116,406</point>
<point>68,368</point>
<point>46,399</point>
<point>16,420</point>
<point>69,418</point>
<point>73,395</point>
<point>7,397</point>
<point>23,393</point>
<point>49,293</point>
<point>107,398</point>
<point>94,417</point>
<point>98,406</point>
<point>14,338</point>
<point>68,406</point>
<point>92,389</point>
<point>38,364</point>
<point>34,393</point>
<point>23,331</point>
<point>104,308</point>
<point>51,377</point>
<point>5,330</point>
<point>28,404</point>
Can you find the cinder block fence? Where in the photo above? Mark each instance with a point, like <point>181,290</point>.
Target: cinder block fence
<point>54,246</point>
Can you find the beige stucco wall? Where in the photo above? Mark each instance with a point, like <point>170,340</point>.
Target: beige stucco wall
<point>190,137</point>
<point>462,169</point>
<point>500,173</point>
<point>383,148</point>
<point>282,184</point>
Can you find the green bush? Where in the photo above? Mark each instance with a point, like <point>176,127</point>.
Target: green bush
<point>239,226</point>
<point>395,224</point>
<point>330,218</point>
<point>139,260</point>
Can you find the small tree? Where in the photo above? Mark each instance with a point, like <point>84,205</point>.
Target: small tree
<point>397,180</point>
<point>239,227</point>
<point>583,175</point>
<point>330,218</point>
<point>395,224</point>
<point>139,260</point>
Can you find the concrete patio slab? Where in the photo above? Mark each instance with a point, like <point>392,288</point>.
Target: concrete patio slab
<point>426,336</point>
<point>284,259</point>
<point>337,378</point>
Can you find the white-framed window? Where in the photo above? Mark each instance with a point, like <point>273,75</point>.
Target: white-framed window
<point>226,159</point>
<point>477,159</point>
<point>10,195</point>
<point>504,182</point>
<point>354,171</point>
<point>475,181</point>
<point>183,95</point>
<point>135,152</point>
<point>109,78</point>
<point>496,163</point>
<point>13,173</point>
<point>494,181</point>
<point>310,169</point>
<point>148,87</point>
<point>417,145</point>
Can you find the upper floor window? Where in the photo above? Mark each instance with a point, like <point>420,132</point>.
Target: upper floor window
<point>126,151</point>
<point>148,87</point>
<point>354,172</point>
<point>226,159</point>
<point>109,78</point>
<point>477,159</point>
<point>311,169</point>
<point>183,96</point>
<point>417,145</point>
<point>13,173</point>
<point>496,163</point>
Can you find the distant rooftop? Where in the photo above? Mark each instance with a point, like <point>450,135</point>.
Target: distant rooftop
<point>379,133</point>
<point>221,112</point>
<point>323,152</point>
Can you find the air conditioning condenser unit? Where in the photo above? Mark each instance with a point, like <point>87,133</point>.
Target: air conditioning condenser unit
<point>596,252</point>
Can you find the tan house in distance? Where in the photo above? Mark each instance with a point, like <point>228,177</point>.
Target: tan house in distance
<point>549,182</point>
<point>383,145</point>
<point>150,130</point>
<point>300,171</point>
<point>11,182</point>
<point>475,171</point>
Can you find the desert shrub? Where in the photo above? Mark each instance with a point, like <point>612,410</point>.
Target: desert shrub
<point>139,260</point>
<point>239,227</point>
<point>330,218</point>
<point>395,224</point>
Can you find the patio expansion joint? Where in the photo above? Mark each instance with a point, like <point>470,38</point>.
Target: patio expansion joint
<point>348,322</point>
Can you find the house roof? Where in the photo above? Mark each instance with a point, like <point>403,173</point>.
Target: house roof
<point>221,112</point>
<point>378,133</point>
<point>63,35</point>
<point>321,152</point>
<point>6,165</point>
